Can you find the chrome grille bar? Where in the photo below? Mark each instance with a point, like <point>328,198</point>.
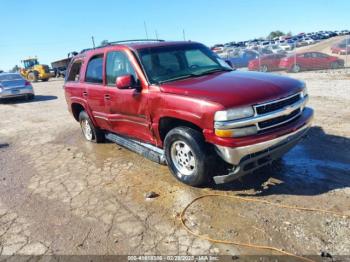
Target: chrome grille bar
<point>254,120</point>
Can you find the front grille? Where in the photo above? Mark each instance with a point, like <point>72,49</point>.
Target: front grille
<point>279,120</point>
<point>276,105</point>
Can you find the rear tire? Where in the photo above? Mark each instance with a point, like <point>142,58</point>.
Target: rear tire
<point>30,97</point>
<point>90,132</point>
<point>187,156</point>
<point>336,65</point>
<point>45,80</point>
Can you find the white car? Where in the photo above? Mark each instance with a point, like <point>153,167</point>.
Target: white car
<point>309,40</point>
<point>285,46</point>
<point>276,49</point>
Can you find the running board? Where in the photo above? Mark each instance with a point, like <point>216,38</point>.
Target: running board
<point>151,152</point>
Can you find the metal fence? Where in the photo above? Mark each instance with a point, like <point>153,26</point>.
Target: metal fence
<point>291,54</point>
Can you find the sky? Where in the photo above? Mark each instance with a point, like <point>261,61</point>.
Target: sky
<point>52,29</point>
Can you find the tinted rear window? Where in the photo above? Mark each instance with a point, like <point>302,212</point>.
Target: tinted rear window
<point>9,77</point>
<point>94,70</point>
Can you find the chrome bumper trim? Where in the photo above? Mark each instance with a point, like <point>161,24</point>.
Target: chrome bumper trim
<point>234,155</point>
<point>6,93</point>
<point>266,153</point>
<point>260,118</point>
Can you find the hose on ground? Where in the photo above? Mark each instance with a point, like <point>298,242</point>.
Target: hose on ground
<point>249,245</point>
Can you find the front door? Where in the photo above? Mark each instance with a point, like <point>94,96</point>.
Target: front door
<point>127,108</point>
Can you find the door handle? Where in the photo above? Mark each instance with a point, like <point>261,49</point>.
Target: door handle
<point>85,93</point>
<point>107,97</point>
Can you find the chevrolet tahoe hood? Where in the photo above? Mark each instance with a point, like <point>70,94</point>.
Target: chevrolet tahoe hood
<point>235,88</point>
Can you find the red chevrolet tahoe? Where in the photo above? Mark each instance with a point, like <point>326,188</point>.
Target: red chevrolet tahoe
<point>179,104</point>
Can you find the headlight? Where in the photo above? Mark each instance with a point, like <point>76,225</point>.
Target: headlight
<point>305,92</point>
<point>234,113</point>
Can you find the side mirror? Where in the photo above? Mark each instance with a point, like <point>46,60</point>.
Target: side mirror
<point>125,82</point>
<point>229,63</point>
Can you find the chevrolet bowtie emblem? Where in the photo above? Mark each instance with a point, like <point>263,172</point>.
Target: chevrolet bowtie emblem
<point>288,110</point>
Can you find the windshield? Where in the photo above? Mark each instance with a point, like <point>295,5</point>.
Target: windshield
<point>170,63</point>
<point>30,63</point>
<point>9,77</point>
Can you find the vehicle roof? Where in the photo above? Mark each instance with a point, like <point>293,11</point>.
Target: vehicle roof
<point>137,45</point>
<point>141,45</point>
<point>6,73</point>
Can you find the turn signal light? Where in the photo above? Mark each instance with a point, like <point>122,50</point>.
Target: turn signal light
<point>224,133</point>
<point>237,132</point>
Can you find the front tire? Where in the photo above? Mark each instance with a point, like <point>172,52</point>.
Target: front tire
<point>90,132</point>
<point>295,68</point>
<point>187,156</point>
<point>264,68</point>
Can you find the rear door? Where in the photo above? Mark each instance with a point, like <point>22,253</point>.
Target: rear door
<point>315,61</point>
<point>306,61</point>
<point>323,61</point>
<point>127,108</point>
<point>94,90</point>
<point>276,61</point>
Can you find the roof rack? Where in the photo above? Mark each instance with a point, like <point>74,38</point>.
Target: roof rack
<point>135,40</point>
<point>121,42</point>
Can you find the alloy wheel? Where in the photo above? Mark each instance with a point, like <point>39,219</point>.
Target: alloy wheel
<point>183,158</point>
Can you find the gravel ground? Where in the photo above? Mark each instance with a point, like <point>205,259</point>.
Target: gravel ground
<point>61,195</point>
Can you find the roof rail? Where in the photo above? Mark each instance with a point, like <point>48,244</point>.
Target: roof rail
<point>121,42</point>
<point>135,40</point>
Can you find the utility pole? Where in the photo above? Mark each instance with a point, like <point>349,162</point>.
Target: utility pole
<point>183,34</point>
<point>144,23</point>
<point>156,33</point>
<point>93,41</point>
<point>347,46</point>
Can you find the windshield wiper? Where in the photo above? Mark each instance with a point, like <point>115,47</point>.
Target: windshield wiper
<point>195,75</point>
<point>177,78</point>
<point>214,70</point>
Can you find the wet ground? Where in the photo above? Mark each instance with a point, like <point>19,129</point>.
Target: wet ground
<point>62,195</point>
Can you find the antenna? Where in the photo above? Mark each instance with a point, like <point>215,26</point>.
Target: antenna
<point>93,41</point>
<point>144,23</point>
<point>183,34</point>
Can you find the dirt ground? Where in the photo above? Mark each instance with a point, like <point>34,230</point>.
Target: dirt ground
<point>61,195</point>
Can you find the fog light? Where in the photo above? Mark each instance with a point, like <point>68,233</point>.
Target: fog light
<point>237,132</point>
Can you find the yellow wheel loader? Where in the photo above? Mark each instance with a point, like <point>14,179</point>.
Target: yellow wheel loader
<point>33,71</point>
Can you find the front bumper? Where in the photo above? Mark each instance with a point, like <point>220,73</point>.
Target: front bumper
<point>248,158</point>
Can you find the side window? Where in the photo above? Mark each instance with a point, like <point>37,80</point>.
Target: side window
<point>118,64</point>
<point>94,70</point>
<point>74,73</point>
<point>320,55</point>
